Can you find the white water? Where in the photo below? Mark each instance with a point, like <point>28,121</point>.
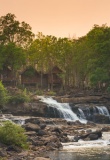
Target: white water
<point>103,110</point>
<point>85,144</point>
<point>16,119</point>
<point>63,108</point>
<point>82,115</point>
<point>100,143</point>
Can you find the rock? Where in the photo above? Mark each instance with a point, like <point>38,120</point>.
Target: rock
<point>56,129</point>
<point>41,158</point>
<point>64,139</point>
<point>79,99</point>
<point>14,148</point>
<point>74,123</point>
<point>91,123</point>
<point>23,154</point>
<point>31,127</point>
<point>53,145</point>
<point>93,136</point>
<point>41,133</point>
<point>42,126</point>
<point>30,133</point>
<point>3,153</point>
<point>33,120</point>
<point>101,119</point>
<point>88,131</point>
<point>106,129</point>
<point>49,139</point>
<point>75,139</point>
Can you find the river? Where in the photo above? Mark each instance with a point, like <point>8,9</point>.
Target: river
<point>103,154</point>
<point>82,150</point>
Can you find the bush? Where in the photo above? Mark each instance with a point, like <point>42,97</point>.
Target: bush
<point>108,89</point>
<point>51,93</point>
<point>12,134</point>
<point>39,92</point>
<point>20,97</point>
<point>3,95</point>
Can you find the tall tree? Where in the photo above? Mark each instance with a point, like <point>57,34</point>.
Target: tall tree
<point>99,59</point>
<point>13,31</point>
<point>12,56</point>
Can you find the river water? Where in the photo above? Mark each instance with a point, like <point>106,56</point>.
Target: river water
<point>81,150</point>
<point>85,150</point>
<point>103,154</point>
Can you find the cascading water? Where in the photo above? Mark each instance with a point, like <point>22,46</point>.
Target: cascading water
<point>81,114</point>
<point>103,110</point>
<point>63,108</point>
<point>97,114</point>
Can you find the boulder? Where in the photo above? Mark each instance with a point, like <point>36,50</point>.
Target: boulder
<point>3,153</point>
<point>75,138</point>
<point>30,133</point>
<point>93,136</point>
<point>101,119</point>
<point>14,148</point>
<point>42,126</point>
<point>31,127</point>
<point>56,129</point>
<point>49,139</point>
<point>33,120</point>
<point>41,158</point>
<point>41,133</point>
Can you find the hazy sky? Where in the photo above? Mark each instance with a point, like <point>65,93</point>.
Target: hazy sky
<point>61,18</point>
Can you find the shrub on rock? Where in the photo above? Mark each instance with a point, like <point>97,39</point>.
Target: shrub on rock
<point>12,134</point>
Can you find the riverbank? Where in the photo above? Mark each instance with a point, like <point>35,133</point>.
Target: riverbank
<point>45,135</point>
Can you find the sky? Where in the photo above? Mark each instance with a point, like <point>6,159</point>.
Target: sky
<point>60,18</point>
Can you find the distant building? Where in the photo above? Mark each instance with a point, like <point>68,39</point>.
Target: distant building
<point>54,77</point>
<point>30,77</point>
<point>7,76</point>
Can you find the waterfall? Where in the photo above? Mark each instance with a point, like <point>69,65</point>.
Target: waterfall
<point>103,110</point>
<point>63,108</point>
<point>81,114</point>
<point>94,110</point>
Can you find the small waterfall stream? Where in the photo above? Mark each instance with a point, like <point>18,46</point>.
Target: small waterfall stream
<point>63,108</point>
<point>78,112</point>
<point>83,113</point>
<point>103,110</point>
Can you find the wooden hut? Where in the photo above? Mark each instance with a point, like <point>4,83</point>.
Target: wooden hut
<point>7,76</point>
<point>44,80</point>
<point>30,77</point>
<point>54,77</point>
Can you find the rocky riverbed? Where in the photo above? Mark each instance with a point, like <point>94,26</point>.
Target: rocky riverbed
<point>48,134</point>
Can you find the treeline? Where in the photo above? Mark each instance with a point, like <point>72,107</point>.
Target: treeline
<point>85,61</point>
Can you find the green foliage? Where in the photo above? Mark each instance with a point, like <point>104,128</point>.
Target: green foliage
<point>39,92</point>
<point>3,95</point>
<point>51,93</point>
<point>99,75</point>
<point>20,97</point>
<point>1,158</point>
<point>86,59</point>
<point>29,72</point>
<point>12,134</point>
<point>14,56</point>
<point>108,89</point>
<point>13,31</point>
